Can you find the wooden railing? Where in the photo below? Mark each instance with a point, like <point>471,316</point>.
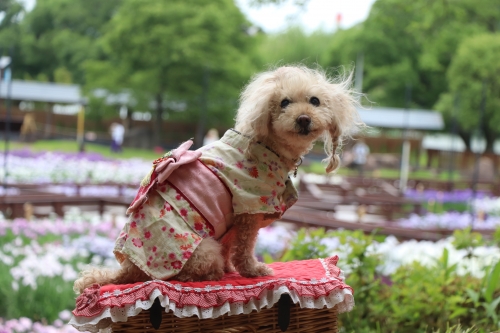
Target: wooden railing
<point>316,206</point>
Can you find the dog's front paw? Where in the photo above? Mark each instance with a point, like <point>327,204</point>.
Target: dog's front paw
<point>259,269</point>
<point>229,268</point>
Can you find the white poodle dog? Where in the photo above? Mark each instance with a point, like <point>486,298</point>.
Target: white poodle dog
<point>198,213</point>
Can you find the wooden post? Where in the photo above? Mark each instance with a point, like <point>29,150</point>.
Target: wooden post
<point>48,121</point>
<point>80,129</point>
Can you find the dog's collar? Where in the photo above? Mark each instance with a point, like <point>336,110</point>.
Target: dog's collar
<point>297,166</point>
<point>298,162</point>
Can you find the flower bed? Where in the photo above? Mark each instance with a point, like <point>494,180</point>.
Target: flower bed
<point>273,242</point>
<point>445,196</point>
<point>60,168</point>
<point>450,220</point>
<point>40,259</point>
<point>490,206</point>
<point>26,325</point>
<point>417,286</point>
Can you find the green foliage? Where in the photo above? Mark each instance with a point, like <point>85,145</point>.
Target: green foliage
<point>458,329</point>
<point>176,52</point>
<point>49,293</point>
<point>173,51</point>
<point>51,296</point>
<point>470,80</point>
<point>419,298</point>
<point>307,245</point>
<point>496,237</point>
<point>432,46</point>
<point>443,207</point>
<point>11,10</point>
<point>390,55</point>
<point>487,296</point>
<point>57,35</point>
<point>422,297</point>
<point>43,303</point>
<point>97,110</point>
<point>9,237</point>
<point>62,75</point>
<point>466,239</point>
<point>416,298</point>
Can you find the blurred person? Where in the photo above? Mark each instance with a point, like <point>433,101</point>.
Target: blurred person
<point>117,133</point>
<point>28,128</point>
<point>360,152</point>
<point>90,136</point>
<point>211,136</point>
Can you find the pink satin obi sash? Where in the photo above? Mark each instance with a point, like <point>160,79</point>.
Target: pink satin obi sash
<point>196,182</point>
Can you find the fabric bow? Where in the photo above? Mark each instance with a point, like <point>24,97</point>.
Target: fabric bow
<point>162,169</point>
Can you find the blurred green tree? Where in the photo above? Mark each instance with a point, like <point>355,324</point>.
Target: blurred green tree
<point>52,40</point>
<point>390,53</point>
<point>413,43</point>
<point>475,67</point>
<point>441,31</point>
<point>11,13</point>
<point>172,51</point>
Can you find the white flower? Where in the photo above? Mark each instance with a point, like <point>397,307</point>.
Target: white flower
<point>15,285</point>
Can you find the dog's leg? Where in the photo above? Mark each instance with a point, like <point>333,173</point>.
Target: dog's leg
<point>205,264</point>
<point>246,229</point>
<point>227,242</point>
<point>128,273</point>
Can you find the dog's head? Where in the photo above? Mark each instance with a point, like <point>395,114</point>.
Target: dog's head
<point>291,107</point>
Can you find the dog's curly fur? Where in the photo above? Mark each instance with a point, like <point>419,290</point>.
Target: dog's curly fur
<point>287,109</point>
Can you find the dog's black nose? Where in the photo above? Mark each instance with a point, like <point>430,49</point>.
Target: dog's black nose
<point>303,121</point>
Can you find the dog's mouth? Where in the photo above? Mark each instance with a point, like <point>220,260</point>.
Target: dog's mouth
<point>304,131</point>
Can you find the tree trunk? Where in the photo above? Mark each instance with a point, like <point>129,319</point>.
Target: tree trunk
<point>157,136</point>
<point>127,122</point>
<point>490,137</point>
<point>465,136</point>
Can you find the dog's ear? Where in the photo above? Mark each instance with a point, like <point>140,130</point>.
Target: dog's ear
<point>253,116</point>
<point>332,141</point>
<point>344,120</point>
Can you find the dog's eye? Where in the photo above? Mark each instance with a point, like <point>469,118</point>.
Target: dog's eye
<point>314,101</point>
<point>285,103</point>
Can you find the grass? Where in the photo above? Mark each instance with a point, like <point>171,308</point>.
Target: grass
<point>318,168</point>
<point>72,147</point>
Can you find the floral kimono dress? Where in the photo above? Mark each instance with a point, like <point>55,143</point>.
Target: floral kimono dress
<point>171,215</point>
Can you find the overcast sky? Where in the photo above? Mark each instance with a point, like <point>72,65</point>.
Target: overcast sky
<point>317,14</point>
